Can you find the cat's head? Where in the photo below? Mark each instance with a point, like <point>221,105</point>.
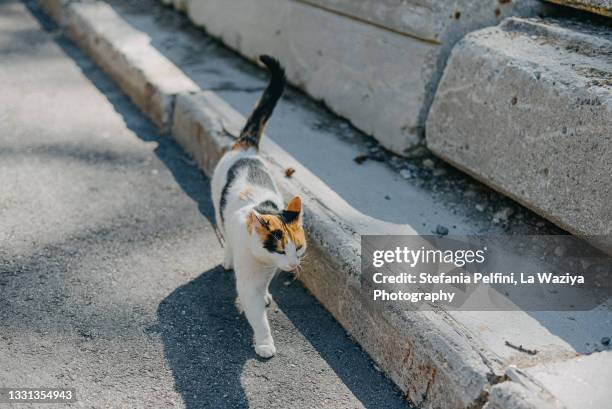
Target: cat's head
<point>277,236</point>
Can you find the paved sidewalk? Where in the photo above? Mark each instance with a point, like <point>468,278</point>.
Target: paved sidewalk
<point>109,267</point>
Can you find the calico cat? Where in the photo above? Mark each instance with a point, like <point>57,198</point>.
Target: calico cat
<point>261,234</point>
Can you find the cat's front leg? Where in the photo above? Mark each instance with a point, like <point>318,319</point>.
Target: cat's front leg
<point>251,292</point>
<point>228,258</point>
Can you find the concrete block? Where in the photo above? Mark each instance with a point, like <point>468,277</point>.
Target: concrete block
<point>580,383</point>
<point>514,395</point>
<point>526,108</point>
<point>149,78</point>
<point>603,7</point>
<point>379,70</point>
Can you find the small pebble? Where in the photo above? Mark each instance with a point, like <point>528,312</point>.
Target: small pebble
<point>417,152</point>
<point>502,215</point>
<point>406,174</point>
<point>439,172</point>
<point>605,341</point>
<point>480,207</point>
<point>428,164</point>
<point>395,162</point>
<point>441,230</point>
<point>360,159</point>
<point>387,197</point>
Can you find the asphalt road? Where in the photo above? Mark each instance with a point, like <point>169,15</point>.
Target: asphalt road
<point>110,277</point>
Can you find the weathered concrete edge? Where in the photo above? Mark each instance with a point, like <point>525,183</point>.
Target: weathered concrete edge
<point>126,55</point>
<point>425,354</point>
<point>584,6</point>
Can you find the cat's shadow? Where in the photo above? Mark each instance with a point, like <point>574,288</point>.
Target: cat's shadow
<point>206,341</point>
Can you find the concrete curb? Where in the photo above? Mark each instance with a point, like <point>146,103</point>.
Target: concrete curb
<point>429,355</point>
<point>126,55</point>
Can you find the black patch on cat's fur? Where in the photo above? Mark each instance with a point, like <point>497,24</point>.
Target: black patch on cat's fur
<point>257,175</point>
<point>253,129</point>
<point>271,242</point>
<point>289,216</point>
<point>267,207</point>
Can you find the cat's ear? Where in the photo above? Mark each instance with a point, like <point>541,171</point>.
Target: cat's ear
<point>295,205</point>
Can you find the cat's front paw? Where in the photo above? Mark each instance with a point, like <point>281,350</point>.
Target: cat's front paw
<point>265,350</point>
<point>268,299</point>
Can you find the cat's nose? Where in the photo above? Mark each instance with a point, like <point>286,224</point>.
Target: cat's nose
<point>294,265</point>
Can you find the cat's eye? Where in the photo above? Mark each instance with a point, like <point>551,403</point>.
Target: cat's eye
<point>299,248</point>
<point>277,234</point>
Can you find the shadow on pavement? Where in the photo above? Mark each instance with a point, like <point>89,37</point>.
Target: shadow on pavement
<point>205,341</point>
<point>191,180</point>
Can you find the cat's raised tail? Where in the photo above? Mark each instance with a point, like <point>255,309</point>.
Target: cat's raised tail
<point>254,127</point>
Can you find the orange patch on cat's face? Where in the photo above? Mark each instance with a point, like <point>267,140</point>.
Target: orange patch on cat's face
<point>273,223</point>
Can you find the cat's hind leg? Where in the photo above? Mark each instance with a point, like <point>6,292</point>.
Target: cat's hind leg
<point>268,297</point>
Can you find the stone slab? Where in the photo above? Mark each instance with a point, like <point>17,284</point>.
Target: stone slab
<point>603,7</point>
<point>126,54</point>
<point>580,383</point>
<point>526,108</point>
<point>514,395</point>
<point>377,74</point>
